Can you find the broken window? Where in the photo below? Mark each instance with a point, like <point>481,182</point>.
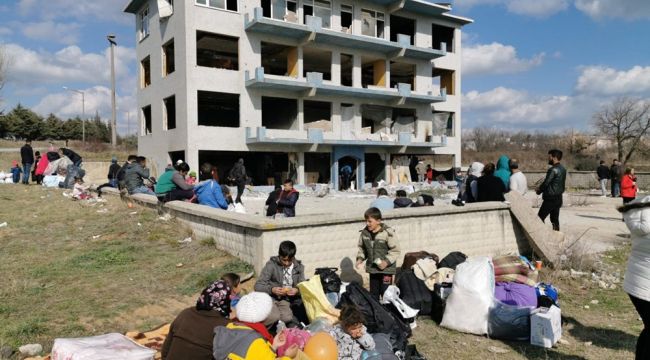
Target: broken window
<point>316,60</point>
<point>347,14</point>
<point>143,23</point>
<point>347,65</point>
<point>402,73</point>
<point>218,109</point>
<point>279,59</point>
<point>375,119</point>
<point>170,112</point>
<point>317,115</point>
<point>319,8</point>
<point>403,121</point>
<point>217,51</point>
<point>401,25</point>
<point>219,4</point>
<point>145,72</point>
<point>444,79</point>
<point>442,34</point>
<point>443,123</point>
<point>169,65</point>
<point>372,23</point>
<point>279,113</point>
<point>146,117</point>
<point>373,72</point>
<point>279,9</point>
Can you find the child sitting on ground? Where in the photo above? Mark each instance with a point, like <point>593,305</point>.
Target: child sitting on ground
<point>351,336</point>
<point>15,171</point>
<point>234,281</point>
<point>80,191</point>
<point>279,278</point>
<point>379,250</point>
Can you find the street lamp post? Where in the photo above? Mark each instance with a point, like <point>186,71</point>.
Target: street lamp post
<point>111,40</point>
<point>83,112</point>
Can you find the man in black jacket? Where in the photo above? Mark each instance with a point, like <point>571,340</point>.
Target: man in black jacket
<point>73,156</point>
<point>27,157</point>
<point>603,175</point>
<point>615,173</point>
<point>552,189</point>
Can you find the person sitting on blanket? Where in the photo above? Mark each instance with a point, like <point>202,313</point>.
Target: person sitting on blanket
<point>191,333</point>
<point>80,191</point>
<point>351,336</point>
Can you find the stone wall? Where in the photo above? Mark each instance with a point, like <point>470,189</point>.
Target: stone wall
<point>324,240</point>
<point>585,179</point>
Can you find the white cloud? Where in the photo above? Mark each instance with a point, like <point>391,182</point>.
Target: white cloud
<point>62,33</point>
<point>104,11</point>
<point>494,99</point>
<point>5,31</point>
<point>496,58</point>
<point>622,9</point>
<point>534,8</point>
<point>608,81</point>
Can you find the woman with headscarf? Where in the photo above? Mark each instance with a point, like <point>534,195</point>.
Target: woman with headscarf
<point>471,190</point>
<point>192,332</point>
<point>636,215</point>
<point>503,171</point>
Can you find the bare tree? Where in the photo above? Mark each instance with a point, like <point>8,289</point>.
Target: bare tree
<point>627,122</point>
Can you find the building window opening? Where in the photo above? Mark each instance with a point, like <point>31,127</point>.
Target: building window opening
<point>316,60</point>
<point>279,113</point>
<point>443,123</point>
<point>444,79</point>
<point>373,72</point>
<point>317,168</point>
<point>403,121</point>
<point>401,25</point>
<point>218,109</point>
<point>219,4</point>
<point>375,119</point>
<point>143,20</point>
<point>146,117</point>
<point>347,65</point>
<point>372,23</point>
<point>170,112</point>
<point>402,73</point>
<point>347,14</point>
<point>279,59</point>
<point>318,115</point>
<point>169,64</point>
<point>375,168</point>
<point>145,72</point>
<point>280,10</point>
<point>264,168</point>
<point>442,34</point>
<point>217,51</point>
<point>318,8</point>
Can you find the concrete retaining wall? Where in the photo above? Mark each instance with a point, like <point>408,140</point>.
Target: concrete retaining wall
<point>585,179</point>
<point>324,240</point>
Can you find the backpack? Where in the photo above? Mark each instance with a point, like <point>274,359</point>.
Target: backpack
<point>452,260</point>
<point>414,292</point>
<point>329,279</point>
<point>377,318</point>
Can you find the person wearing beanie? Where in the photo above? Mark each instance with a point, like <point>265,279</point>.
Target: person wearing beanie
<point>246,338</point>
<point>191,333</point>
<point>113,172</point>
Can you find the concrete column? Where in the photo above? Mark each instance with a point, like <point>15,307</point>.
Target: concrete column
<point>192,159</point>
<point>336,67</point>
<point>356,71</point>
<point>334,172</point>
<point>387,168</point>
<point>361,174</point>
<point>301,168</point>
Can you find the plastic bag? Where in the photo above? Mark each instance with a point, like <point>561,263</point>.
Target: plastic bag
<point>315,301</point>
<point>102,347</point>
<point>473,288</point>
<point>509,322</point>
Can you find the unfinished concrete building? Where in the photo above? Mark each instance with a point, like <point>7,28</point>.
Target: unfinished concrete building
<point>298,87</point>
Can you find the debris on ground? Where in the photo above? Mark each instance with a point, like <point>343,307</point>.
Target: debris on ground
<point>31,349</point>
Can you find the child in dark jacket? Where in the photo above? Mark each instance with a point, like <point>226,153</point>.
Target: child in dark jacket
<point>15,172</point>
<point>379,250</point>
<point>287,200</point>
<point>280,278</point>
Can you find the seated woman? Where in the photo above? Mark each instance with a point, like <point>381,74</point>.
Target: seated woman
<point>171,184</point>
<point>209,192</point>
<point>191,334</point>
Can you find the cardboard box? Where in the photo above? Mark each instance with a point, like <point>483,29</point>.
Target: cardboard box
<point>545,326</point>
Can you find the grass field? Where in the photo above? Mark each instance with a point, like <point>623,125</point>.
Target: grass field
<point>69,270</point>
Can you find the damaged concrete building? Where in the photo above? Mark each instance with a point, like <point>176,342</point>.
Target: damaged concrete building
<point>298,88</point>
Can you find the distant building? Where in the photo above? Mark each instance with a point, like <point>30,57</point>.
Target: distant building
<point>298,87</point>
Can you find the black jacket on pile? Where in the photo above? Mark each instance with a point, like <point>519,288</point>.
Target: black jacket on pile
<point>27,154</point>
<point>490,188</point>
<point>602,172</point>
<point>73,156</point>
<point>553,185</point>
<point>402,202</point>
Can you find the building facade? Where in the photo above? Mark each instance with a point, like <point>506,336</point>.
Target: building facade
<point>298,88</point>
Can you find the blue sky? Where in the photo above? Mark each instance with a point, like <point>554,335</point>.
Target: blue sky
<point>527,64</point>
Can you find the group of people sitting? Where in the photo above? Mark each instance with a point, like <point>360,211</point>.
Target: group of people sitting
<point>488,182</point>
<point>384,202</point>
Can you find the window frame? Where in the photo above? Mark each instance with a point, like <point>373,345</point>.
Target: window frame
<point>206,4</point>
<point>350,11</point>
<point>165,57</point>
<point>143,23</point>
<point>375,15</point>
<point>143,72</point>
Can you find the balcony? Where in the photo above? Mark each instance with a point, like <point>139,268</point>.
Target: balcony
<point>313,31</point>
<point>314,85</point>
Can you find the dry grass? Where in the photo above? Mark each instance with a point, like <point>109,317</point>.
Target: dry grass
<point>68,270</point>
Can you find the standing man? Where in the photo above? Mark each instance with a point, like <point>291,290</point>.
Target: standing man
<point>603,175</point>
<point>27,157</point>
<point>346,174</point>
<point>615,177</point>
<point>238,174</point>
<point>286,204</point>
<point>552,189</point>
<point>518,180</point>
<point>421,169</point>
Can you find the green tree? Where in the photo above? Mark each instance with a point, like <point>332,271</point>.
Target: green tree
<point>52,127</point>
<point>72,129</point>
<point>24,123</point>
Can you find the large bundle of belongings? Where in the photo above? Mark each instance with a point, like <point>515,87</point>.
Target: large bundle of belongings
<point>506,299</point>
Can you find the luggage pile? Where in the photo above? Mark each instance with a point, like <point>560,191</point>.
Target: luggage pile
<point>507,300</point>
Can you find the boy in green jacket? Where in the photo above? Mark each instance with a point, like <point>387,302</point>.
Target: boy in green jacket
<point>379,250</point>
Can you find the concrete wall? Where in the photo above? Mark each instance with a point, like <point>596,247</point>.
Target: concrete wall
<point>324,240</point>
<point>585,179</point>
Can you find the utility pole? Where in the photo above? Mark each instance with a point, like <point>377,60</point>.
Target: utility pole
<point>111,40</point>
